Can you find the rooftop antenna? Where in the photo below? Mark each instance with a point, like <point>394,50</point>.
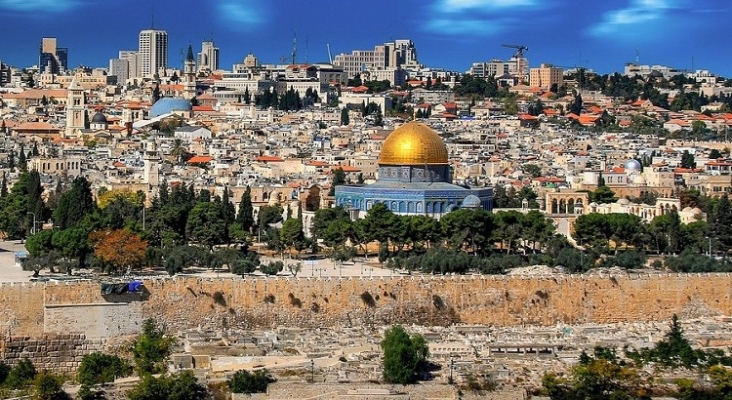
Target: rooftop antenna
<point>330,56</point>
<point>152,16</point>
<point>637,56</point>
<point>294,47</point>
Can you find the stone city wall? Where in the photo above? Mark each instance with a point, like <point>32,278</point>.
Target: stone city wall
<point>33,310</point>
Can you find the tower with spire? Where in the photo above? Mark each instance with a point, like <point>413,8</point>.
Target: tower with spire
<point>189,75</point>
<point>75,108</point>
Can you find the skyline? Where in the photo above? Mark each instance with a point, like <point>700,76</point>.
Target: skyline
<point>450,34</point>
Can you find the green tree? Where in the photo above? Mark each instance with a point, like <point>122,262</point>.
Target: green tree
<point>533,170</point>
<point>247,96</point>
<point>74,204</point>
<point>21,375</point>
<point>345,119</point>
<point>4,372</point>
<point>183,386</point>
<point>247,382</point>
<point>47,386</point>
<point>720,224</point>
<point>339,178</point>
<point>602,195</point>
<point>575,106</point>
<point>205,225</point>
<point>98,368</point>
<point>151,349</point>
<point>687,160</point>
<point>245,216</point>
<point>403,355</point>
<point>291,234</point>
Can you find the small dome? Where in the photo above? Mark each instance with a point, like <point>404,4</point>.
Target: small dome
<point>167,105</point>
<point>471,201</point>
<point>623,202</point>
<point>632,165</point>
<point>413,144</point>
<point>686,210</point>
<point>99,118</point>
<point>697,211</point>
<point>639,180</point>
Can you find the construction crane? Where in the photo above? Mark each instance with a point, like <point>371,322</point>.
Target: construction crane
<point>519,56</point>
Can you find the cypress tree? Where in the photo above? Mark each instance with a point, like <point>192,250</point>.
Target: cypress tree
<point>245,216</point>
<point>22,164</point>
<point>4,188</point>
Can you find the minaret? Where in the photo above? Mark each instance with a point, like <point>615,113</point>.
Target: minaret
<point>189,73</point>
<point>151,174</point>
<point>75,108</point>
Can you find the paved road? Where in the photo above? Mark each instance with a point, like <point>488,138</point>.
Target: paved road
<point>9,272</point>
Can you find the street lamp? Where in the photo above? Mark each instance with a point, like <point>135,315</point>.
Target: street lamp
<point>710,247</point>
<point>33,230</point>
<point>452,368</point>
<point>312,370</point>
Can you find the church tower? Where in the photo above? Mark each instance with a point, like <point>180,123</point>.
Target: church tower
<point>189,76</point>
<point>75,108</point>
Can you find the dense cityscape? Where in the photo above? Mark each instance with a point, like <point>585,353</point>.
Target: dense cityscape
<point>363,227</point>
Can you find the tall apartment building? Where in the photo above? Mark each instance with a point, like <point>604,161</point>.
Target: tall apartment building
<point>546,76</point>
<point>399,53</point>
<point>208,58</point>
<point>52,59</point>
<point>153,51</point>
<point>5,74</point>
<point>125,67</point>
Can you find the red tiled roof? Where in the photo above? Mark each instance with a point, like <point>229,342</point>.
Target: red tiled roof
<point>200,159</point>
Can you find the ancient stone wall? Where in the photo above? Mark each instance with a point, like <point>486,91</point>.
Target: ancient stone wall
<point>37,310</point>
<point>61,353</point>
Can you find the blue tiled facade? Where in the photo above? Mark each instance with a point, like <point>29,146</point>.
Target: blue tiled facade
<point>411,190</point>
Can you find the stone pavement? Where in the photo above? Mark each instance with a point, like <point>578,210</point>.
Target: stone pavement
<point>9,272</point>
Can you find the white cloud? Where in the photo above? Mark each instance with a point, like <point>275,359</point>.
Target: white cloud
<point>459,5</point>
<point>477,17</point>
<point>464,26</point>
<point>242,12</point>
<point>38,5</point>
<point>637,13</point>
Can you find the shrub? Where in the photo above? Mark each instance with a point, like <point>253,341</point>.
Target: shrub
<point>247,383</point>
<point>21,375</point>
<point>98,368</point>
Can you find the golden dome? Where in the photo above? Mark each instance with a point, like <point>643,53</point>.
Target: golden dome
<point>413,144</point>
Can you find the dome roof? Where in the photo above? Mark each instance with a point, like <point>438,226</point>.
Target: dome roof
<point>471,201</point>
<point>167,105</point>
<point>99,118</point>
<point>632,165</point>
<point>639,180</point>
<point>623,201</point>
<point>413,143</point>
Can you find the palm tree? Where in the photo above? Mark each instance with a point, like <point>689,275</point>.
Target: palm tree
<point>178,151</point>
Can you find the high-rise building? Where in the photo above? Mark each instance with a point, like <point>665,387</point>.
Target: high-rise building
<point>546,76</point>
<point>52,59</point>
<point>396,54</point>
<point>5,73</point>
<point>125,67</point>
<point>153,51</point>
<point>208,58</point>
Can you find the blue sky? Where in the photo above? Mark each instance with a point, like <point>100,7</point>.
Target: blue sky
<point>452,34</point>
